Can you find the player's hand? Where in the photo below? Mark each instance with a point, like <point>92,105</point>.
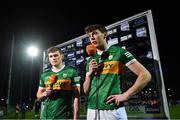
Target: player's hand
<point>92,66</point>
<point>47,93</point>
<point>117,99</point>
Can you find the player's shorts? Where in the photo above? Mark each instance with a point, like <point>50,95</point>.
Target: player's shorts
<point>116,114</point>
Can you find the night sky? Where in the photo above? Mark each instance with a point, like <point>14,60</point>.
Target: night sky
<point>50,23</point>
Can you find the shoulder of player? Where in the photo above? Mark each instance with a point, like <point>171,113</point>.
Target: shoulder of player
<point>115,48</point>
<point>46,71</point>
<point>69,68</point>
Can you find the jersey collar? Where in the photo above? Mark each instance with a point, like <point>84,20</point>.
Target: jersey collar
<point>58,69</point>
<point>100,52</point>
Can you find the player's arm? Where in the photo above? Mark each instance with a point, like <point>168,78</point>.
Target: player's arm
<point>76,93</point>
<point>89,74</point>
<point>87,83</point>
<point>41,89</point>
<point>142,80</point>
<point>42,93</point>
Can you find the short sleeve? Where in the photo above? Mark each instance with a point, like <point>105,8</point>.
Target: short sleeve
<point>41,82</point>
<point>126,57</point>
<point>76,79</point>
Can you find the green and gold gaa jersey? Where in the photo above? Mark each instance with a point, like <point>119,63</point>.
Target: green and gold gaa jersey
<point>107,81</point>
<point>59,104</point>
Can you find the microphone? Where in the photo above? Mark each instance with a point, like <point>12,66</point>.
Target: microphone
<point>52,80</point>
<point>91,50</point>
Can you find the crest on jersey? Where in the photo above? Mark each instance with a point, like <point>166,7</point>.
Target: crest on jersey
<point>64,75</point>
<point>110,57</point>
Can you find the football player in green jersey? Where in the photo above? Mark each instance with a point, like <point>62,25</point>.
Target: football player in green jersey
<point>102,86</point>
<point>58,87</point>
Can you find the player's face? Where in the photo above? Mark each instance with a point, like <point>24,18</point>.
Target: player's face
<point>97,38</point>
<point>55,58</point>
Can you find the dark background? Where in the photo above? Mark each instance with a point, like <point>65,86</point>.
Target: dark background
<point>50,23</point>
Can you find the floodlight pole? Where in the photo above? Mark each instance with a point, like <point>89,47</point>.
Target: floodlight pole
<point>10,74</point>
